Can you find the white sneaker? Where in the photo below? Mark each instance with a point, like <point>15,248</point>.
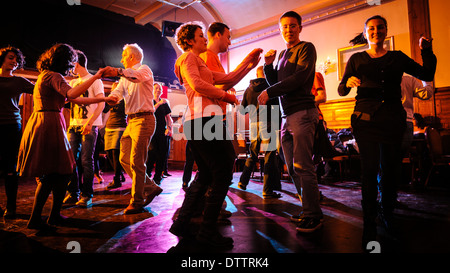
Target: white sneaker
<point>84,202</point>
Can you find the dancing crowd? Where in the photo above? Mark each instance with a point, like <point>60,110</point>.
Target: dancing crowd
<point>60,157</point>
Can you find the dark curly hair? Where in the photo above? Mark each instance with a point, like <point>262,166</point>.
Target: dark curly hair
<point>186,32</point>
<point>59,58</point>
<point>20,59</point>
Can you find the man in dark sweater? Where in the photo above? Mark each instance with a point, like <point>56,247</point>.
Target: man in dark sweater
<point>264,124</point>
<point>291,81</point>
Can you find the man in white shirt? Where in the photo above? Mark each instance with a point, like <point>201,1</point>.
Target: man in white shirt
<point>412,88</point>
<point>136,88</point>
<point>82,134</point>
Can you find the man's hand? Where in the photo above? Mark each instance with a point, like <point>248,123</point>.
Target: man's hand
<point>263,98</point>
<point>112,100</point>
<point>110,72</point>
<point>269,58</point>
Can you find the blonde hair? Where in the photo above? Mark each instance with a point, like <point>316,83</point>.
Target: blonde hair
<point>136,50</point>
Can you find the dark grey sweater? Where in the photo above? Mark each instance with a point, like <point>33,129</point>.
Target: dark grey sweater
<point>293,77</point>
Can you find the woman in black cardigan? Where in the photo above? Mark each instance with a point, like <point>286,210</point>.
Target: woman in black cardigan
<point>378,120</point>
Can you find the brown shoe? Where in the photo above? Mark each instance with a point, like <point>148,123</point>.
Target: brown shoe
<point>133,209</point>
<point>152,195</point>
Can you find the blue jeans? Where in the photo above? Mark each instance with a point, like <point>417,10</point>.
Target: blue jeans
<point>297,140</point>
<point>83,147</point>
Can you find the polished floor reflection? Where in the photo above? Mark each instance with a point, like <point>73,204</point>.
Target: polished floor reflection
<point>257,225</point>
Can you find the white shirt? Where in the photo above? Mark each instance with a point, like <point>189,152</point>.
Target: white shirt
<point>136,88</point>
<point>411,88</point>
<point>79,114</point>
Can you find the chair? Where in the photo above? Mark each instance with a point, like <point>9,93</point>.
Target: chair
<point>340,159</point>
<point>436,151</point>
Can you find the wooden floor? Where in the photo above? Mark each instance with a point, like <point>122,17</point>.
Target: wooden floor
<point>257,225</point>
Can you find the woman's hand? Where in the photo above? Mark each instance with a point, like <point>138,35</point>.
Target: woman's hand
<point>230,98</point>
<point>353,82</point>
<point>100,73</point>
<point>425,42</point>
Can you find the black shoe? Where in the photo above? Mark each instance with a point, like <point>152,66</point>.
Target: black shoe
<point>157,180</point>
<point>166,174</point>
<point>297,218</point>
<point>180,229</point>
<point>41,226</point>
<point>224,214</point>
<point>271,195</point>
<point>10,214</point>
<point>114,185</point>
<point>242,186</point>
<point>214,238</point>
<point>58,220</point>
<point>309,224</point>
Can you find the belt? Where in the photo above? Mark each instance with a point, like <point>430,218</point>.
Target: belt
<point>140,114</point>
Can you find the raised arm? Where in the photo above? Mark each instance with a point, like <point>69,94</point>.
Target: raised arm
<point>189,71</point>
<point>80,89</point>
<point>227,81</point>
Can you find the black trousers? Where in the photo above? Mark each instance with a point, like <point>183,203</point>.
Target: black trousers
<point>215,160</point>
<point>9,148</point>
<point>188,164</point>
<point>384,159</point>
<point>271,180</point>
<point>157,155</point>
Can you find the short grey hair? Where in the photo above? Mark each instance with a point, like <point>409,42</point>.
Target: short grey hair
<point>136,50</point>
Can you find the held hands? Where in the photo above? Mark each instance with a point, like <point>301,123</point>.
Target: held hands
<point>100,73</point>
<point>269,58</point>
<point>110,72</point>
<point>106,72</point>
<point>112,100</point>
<point>353,82</point>
<point>425,42</point>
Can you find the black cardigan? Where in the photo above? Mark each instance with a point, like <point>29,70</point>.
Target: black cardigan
<point>379,95</point>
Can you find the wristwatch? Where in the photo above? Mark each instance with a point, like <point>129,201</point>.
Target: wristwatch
<point>119,72</point>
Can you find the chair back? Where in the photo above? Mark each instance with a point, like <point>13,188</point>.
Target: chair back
<point>434,142</point>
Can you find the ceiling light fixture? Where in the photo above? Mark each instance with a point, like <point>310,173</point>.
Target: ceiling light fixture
<point>182,5</point>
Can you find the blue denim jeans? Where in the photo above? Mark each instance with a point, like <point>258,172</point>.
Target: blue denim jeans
<point>83,147</point>
<point>297,140</point>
